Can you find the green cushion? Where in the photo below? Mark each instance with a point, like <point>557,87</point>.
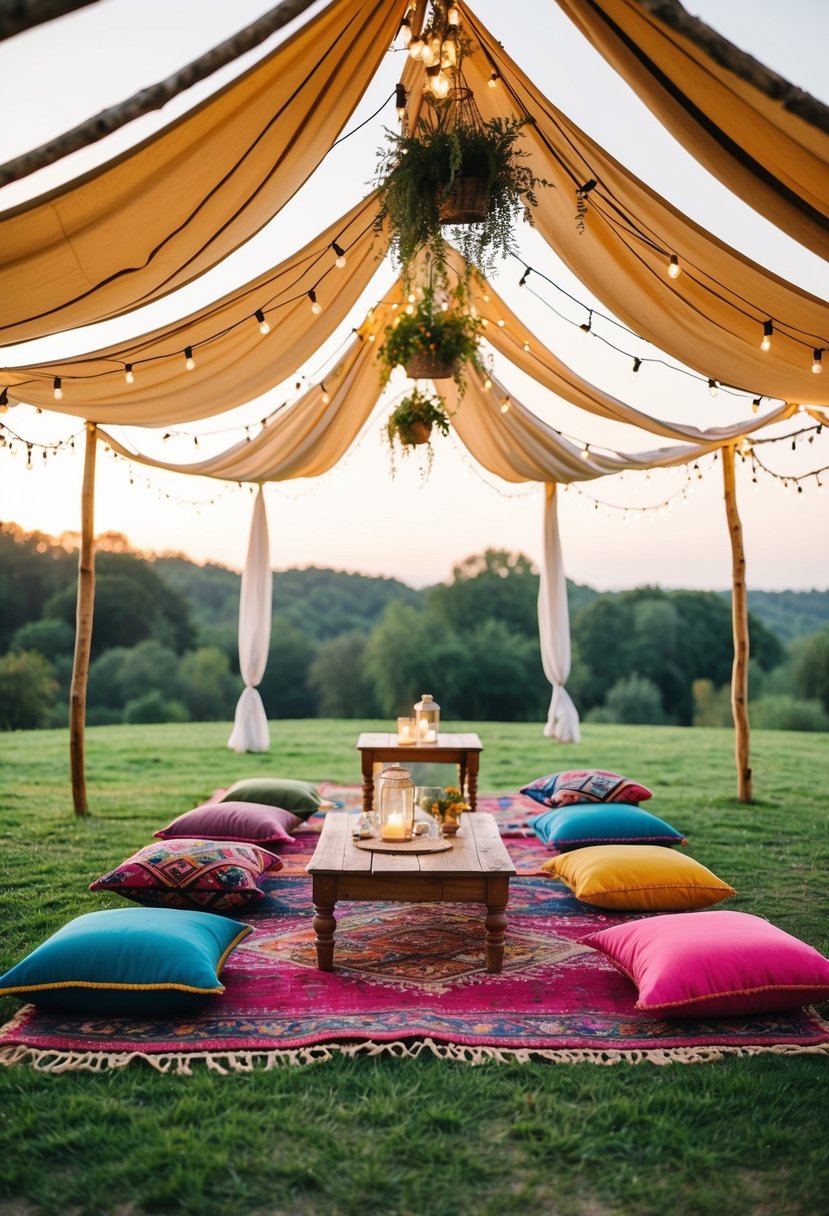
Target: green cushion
<point>300,797</point>
<point>128,960</point>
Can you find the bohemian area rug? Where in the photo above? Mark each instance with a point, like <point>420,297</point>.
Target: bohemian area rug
<point>409,979</point>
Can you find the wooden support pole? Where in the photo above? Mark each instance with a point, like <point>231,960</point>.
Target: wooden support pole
<point>739,627</point>
<point>83,625</point>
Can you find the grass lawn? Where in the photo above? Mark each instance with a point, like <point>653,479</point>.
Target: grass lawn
<point>740,1136</point>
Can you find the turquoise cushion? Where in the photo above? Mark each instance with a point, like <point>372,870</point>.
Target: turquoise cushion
<point>128,960</point>
<point>574,827</point>
<point>300,797</point>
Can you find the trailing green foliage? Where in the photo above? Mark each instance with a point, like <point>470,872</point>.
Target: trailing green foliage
<point>411,422</point>
<point>450,338</point>
<point>392,1137</point>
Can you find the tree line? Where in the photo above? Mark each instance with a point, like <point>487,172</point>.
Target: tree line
<point>164,645</point>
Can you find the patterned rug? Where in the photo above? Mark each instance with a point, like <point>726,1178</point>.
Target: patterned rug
<point>408,979</point>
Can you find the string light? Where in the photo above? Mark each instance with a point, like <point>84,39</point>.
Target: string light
<point>325,397</point>
<point>755,405</point>
<point>586,326</point>
<point>585,453</point>
<point>674,268</point>
<point>56,389</point>
<point>264,327</point>
<point>522,282</point>
<point>4,400</point>
<point>340,255</point>
<point>768,330</point>
<point>316,307</point>
<point>505,404</point>
<point>416,48</point>
<point>453,17</point>
<point>637,363</point>
<point>817,357</point>
<point>405,31</point>
<point>713,387</point>
<point>189,361</point>
<point>493,80</point>
<point>129,375</point>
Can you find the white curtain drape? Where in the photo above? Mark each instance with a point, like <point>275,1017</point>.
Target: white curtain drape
<point>554,627</point>
<point>250,725</point>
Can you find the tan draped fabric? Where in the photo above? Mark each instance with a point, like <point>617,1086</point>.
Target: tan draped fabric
<point>304,439</point>
<point>710,318</point>
<point>235,363</point>
<point>163,213</point>
<point>746,125</point>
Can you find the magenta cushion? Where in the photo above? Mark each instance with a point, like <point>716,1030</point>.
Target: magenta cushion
<point>214,875</point>
<point>585,785</point>
<point>245,822</point>
<point>714,964</point>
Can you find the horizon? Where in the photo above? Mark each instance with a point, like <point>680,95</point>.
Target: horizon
<point>666,528</point>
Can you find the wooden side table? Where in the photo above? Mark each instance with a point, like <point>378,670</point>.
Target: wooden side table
<point>463,750</point>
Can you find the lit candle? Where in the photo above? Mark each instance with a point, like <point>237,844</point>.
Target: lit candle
<point>423,729</point>
<point>430,736</point>
<point>394,828</point>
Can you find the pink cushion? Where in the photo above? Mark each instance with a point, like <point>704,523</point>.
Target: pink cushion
<point>717,964</point>
<point>245,822</point>
<point>585,785</point>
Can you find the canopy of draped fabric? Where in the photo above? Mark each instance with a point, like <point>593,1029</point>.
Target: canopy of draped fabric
<point>171,208</point>
<point>766,141</point>
<point>207,182</point>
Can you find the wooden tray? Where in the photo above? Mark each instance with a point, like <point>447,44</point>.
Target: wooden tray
<point>404,846</point>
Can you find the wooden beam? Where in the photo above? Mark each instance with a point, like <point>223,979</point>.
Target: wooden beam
<point>739,627</point>
<point>83,625</point>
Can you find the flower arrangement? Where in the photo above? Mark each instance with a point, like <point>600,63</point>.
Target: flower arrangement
<point>431,343</point>
<point>447,808</point>
<point>410,423</point>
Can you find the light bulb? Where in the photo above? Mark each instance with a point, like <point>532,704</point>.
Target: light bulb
<point>128,374</point>
<point>406,31</point>
<point>587,325</point>
<point>441,85</point>
<point>316,307</point>
<point>505,406</point>
<point>713,387</point>
<point>454,15</point>
<point>264,327</point>
<point>325,397</point>
<point>768,330</point>
<point>416,48</point>
<point>189,361</point>
<point>449,54</point>
<point>817,365</point>
<point>674,268</point>
<point>585,452</point>
<point>755,405</point>
<point>56,389</point>
<point>493,80</point>
<point>340,255</point>
<point>428,54</point>
<point>487,383</point>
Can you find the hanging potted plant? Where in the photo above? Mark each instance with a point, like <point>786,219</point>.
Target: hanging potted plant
<point>455,169</point>
<point>430,343</point>
<point>411,422</point>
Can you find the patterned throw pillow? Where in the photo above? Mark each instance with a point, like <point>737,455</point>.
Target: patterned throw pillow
<point>208,874</point>
<point>128,960</point>
<point>714,964</point>
<point>638,878</point>
<point>585,785</point>
<point>575,827</point>
<point>245,822</point>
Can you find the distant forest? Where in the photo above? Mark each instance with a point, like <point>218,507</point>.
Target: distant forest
<point>164,644</point>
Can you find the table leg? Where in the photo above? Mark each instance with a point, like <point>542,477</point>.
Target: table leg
<point>324,897</point>
<point>462,776</point>
<point>367,762</point>
<point>473,780</point>
<point>496,924</point>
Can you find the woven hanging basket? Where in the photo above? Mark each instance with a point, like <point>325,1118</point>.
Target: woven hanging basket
<point>426,366</point>
<point>466,203</point>
<point>415,433</point>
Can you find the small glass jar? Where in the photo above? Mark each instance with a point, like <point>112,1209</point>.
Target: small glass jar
<point>406,732</point>
<point>427,719</point>
<point>395,797</point>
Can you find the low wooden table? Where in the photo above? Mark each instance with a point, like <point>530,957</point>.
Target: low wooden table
<point>463,750</point>
<point>477,869</point>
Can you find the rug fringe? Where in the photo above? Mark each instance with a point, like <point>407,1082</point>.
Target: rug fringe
<point>227,1063</point>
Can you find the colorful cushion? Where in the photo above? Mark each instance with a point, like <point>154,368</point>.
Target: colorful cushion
<point>714,964</point>
<point>128,960</point>
<point>301,797</point>
<point>245,822</point>
<point>219,875</point>
<point>638,877</point>
<point>613,823</point>
<point>585,785</point>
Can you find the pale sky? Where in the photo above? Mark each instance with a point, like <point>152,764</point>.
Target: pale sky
<point>357,517</point>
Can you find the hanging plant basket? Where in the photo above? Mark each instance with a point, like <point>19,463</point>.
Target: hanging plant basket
<point>415,433</point>
<point>467,202</point>
<point>424,365</point>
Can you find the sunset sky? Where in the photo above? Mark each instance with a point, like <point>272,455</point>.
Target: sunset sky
<point>357,517</point>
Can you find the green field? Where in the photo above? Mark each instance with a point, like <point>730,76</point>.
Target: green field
<point>742,1136</point>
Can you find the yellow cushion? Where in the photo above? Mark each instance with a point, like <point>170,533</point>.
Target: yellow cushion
<point>638,877</point>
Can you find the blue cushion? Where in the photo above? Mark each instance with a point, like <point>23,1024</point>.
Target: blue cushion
<point>574,827</point>
<point>128,960</point>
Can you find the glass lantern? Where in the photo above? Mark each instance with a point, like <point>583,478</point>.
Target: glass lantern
<point>427,719</point>
<point>395,798</point>
<point>406,732</point>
